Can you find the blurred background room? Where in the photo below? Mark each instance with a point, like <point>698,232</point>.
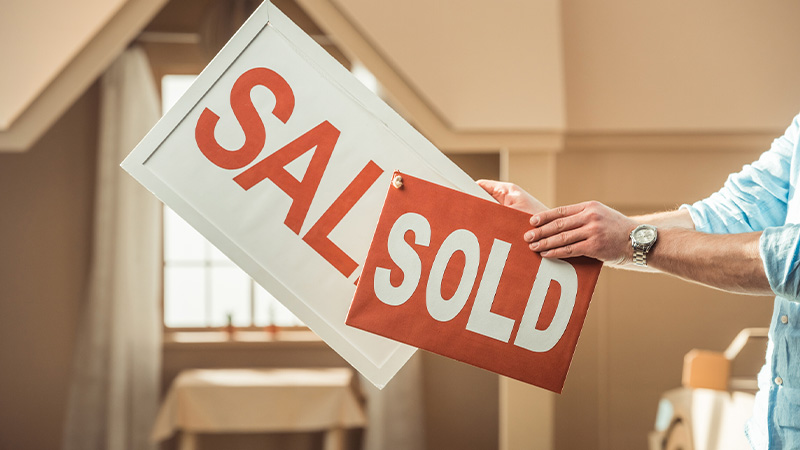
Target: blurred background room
<point>106,297</point>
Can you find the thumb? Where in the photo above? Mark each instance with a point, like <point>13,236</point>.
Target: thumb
<point>489,186</point>
<point>494,188</point>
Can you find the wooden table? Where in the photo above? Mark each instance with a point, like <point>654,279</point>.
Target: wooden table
<point>260,401</point>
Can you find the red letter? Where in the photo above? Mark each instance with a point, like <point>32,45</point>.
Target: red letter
<point>317,236</point>
<point>248,119</point>
<point>323,137</point>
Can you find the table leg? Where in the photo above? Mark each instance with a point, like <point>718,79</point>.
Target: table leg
<point>188,441</point>
<point>334,439</point>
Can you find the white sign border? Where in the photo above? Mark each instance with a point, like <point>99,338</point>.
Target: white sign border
<point>339,76</point>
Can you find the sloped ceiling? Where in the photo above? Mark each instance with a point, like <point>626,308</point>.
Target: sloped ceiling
<point>46,35</point>
<point>52,51</point>
<point>480,66</point>
<point>471,75</point>
<point>583,67</point>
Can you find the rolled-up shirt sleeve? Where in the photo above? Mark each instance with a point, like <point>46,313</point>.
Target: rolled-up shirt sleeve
<point>779,248</point>
<point>756,199</point>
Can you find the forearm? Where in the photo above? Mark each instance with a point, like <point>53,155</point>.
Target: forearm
<point>725,261</point>
<point>730,262</point>
<point>679,218</point>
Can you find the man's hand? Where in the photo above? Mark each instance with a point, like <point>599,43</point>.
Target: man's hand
<point>513,196</point>
<point>730,262</point>
<point>587,229</point>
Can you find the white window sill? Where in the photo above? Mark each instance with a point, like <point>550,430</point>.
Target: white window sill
<point>241,339</point>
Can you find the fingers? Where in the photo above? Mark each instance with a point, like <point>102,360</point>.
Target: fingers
<point>545,217</point>
<point>565,240</point>
<point>563,232</point>
<point>559,225</point>
<point>568,251</point>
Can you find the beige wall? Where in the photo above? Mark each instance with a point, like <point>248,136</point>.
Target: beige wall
<point>639,326</point>
<point>45,238</point>
<point>607,66</point>
<point>479,65</point>
<point>651,65</point>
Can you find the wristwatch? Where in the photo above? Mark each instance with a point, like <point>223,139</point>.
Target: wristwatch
<point>643,238</point>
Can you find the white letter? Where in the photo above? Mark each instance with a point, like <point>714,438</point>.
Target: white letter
<point>459,240</point>
<point>482,320</point>
<point>405,257</point>
<point>528,336</point>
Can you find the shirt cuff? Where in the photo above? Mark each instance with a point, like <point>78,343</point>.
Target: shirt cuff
<point>701,223</point>
<point>779,248</point>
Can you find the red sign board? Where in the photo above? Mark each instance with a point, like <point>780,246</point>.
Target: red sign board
<point>450,273</point>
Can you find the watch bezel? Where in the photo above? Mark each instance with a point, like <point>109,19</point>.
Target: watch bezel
<point>643,244</point>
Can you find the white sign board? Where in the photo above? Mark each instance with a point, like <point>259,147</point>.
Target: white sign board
<point>281,159</point>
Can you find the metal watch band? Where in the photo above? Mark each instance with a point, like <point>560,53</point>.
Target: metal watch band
<point>639,257</point>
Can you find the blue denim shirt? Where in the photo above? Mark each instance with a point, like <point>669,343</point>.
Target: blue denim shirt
<point>762,198</point>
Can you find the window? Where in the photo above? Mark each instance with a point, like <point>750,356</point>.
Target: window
<point>202,287</point>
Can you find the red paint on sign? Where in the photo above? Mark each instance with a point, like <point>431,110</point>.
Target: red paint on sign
<point>320,139</point>
<point>450,273</point>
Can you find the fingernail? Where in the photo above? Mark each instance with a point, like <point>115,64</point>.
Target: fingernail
<point>545,254</point>
<point>534,220</point>
<point>528,236</point>
<point>534,246</point>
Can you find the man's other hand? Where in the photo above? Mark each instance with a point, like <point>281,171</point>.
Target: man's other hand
<point>513,196</point>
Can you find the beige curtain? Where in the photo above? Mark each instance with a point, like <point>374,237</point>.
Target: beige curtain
<point>116,368</point>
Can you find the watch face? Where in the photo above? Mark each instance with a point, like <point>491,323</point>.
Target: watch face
<point>644,235</point>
